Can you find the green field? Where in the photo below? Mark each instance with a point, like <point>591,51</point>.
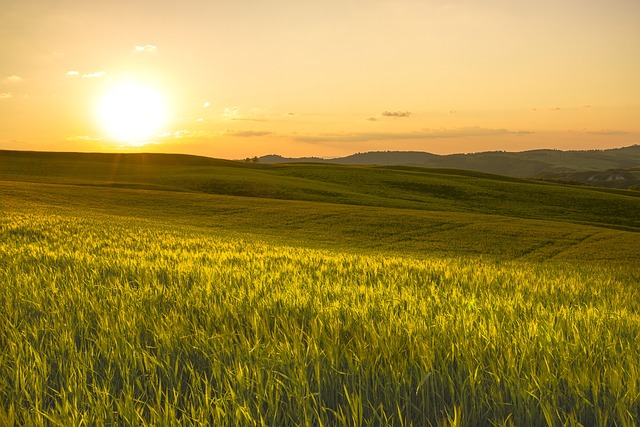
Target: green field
<point>176,290</point>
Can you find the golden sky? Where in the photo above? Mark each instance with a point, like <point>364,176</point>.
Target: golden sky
<point>323,78</point>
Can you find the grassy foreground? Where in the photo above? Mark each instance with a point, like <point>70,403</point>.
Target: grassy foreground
<point>144,322</point>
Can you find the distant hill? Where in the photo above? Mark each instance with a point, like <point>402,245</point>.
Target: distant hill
<point>525,164</point>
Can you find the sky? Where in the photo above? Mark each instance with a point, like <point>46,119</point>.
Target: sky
<point>327,78</point>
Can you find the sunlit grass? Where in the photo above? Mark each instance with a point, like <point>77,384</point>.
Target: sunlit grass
<point>141,323</point>
<point>345,228</point>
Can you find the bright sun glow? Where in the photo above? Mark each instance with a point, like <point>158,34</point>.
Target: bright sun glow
<point>132,113</point>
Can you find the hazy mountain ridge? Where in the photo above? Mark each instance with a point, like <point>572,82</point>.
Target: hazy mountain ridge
<point>524,164</point>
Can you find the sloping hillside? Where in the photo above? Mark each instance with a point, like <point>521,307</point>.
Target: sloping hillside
<point>442,190</point>
<point>524,164</point>
<point>610,178</point>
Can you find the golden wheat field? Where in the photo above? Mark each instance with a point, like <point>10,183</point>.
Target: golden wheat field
<point>111,322</point>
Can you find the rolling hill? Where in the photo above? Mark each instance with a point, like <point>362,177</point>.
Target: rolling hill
<point>526,164</point>
<point>391,187</point>
<point>610,178</point>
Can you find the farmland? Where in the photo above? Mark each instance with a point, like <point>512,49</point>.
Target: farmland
<point>230,294</point>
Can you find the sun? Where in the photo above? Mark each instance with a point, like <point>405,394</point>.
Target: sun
<point>132,113</point>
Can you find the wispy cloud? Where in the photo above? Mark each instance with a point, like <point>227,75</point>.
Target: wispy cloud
<point>472,131</point>
<point>247,133</point>
<point>564,108</point>
<point>464,132</point>
<point>250,119</point>
<point>12,79</point>
<point>403,114</point>
<point>253,114</point>
<point>94,75</point>
<point>187,134</point>
<point>83,138</point>
<point>391,114</point>
<point>546,109</point>
<point>609,132</point>
<point>148,48</point>
<point>73,73</point>
<point>230,113</point>
<point>5,95</point>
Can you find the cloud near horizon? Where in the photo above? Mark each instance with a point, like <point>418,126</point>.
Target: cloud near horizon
<point>604,132</point>
<point>188,134</point>
<point>396,114</point>
<point>246,133</point>
<point>253,114</point>
<point>464,132</point>
<point>149,48</point>
<point>392,114</point>
<point>94,75</point>
<point>12,79</point>
<point>83,138</point>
